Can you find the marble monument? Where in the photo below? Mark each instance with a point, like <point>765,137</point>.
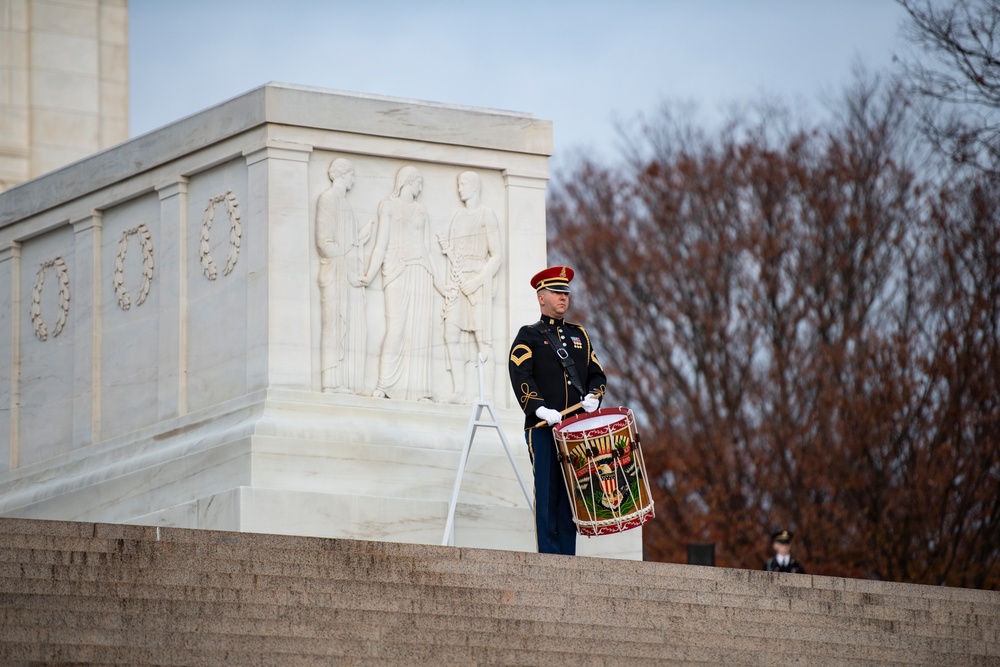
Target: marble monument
<point>267,317</point>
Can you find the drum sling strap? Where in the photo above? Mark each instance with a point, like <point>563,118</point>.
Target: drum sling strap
<point>564,358</point>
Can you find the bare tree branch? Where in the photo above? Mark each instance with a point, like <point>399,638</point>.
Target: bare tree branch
<point>810,338</point>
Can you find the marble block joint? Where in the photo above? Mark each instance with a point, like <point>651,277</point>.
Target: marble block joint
<point>266,317</point>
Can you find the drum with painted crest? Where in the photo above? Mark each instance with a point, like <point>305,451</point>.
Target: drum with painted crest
<point>604,471</point>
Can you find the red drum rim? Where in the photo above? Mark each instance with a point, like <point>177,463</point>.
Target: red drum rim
<point>618,525</point>
<point>575,428</point>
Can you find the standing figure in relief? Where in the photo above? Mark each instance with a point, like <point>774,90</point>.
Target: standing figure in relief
<point>402,251</point>
<point>474,256</point>
<point>341,262</point>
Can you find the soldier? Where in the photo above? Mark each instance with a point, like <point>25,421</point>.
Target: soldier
<point>554,372</point>
<point>783,562</point>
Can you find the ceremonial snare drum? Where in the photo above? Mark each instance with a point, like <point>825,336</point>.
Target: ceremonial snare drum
<point>604,472</point>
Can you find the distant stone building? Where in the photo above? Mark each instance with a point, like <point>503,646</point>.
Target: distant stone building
<point>63,83</point>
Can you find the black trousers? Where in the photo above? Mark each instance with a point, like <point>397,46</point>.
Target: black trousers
<point>554,525</point>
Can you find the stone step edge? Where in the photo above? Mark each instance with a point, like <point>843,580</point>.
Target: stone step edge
<point>743,584</point>
<point>261,585</point>
<point>437,552</point>
<point>708,656</point>
<point>461,613</point>
<point>653,619</point>
<point>247,578</point>
<point>626,647</point>
<point>841,619</point>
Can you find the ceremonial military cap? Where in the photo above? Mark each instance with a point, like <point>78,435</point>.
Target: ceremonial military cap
<point>782,536</point>
<point>554,278</point>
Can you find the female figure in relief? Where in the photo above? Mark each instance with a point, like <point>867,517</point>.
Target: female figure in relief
<point>402,253</point>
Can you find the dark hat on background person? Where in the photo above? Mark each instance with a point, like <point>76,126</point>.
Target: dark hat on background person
<point>554,278</point>
<point>782,537</point>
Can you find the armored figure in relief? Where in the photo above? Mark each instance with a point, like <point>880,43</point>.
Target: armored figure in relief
<point>474,252</point>
<point>341,264</point>
<point>402,253</point>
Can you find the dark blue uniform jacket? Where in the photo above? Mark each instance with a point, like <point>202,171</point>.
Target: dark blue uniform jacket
<point>538,377</point>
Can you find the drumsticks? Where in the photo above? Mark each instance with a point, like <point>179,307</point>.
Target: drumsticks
<point>565,412</point>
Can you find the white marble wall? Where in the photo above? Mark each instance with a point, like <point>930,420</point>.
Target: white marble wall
<point>160,327</point>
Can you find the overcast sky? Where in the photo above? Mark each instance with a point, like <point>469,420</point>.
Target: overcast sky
<point>583,65</point>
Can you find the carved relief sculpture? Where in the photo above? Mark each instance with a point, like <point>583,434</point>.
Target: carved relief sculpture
<point>474,257</point>
<point>342,296</point>
<point>62,273</point>
<point>118,276</point>
<point>208,265</point>
<point>402,251</point>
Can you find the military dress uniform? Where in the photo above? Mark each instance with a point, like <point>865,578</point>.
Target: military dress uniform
<point>539,379</point>
<point>780,563</point>
<point>794,566</point>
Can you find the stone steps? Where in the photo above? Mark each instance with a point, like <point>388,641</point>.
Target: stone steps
<point>254,622</point>
<point>235,571</point>
<point>116,594</point>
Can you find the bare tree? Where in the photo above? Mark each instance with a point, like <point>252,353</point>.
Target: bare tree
<point>807,335</point>
<point>955,75</point>
<point>962,424</point>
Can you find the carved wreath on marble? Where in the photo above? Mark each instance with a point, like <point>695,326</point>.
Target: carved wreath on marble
<point>62,273</point>
<point>208,266</point>
<point>118,278</point>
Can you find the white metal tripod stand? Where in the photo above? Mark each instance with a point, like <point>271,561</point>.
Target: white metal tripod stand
<point>475,421</point>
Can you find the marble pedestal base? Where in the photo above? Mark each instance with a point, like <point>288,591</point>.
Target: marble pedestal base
<point>301,463</point>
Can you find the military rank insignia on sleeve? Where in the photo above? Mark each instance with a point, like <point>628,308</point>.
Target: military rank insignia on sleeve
<point>519,354</point>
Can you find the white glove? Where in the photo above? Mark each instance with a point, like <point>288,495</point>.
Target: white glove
<point>551,416</point>
<point>590,403</point>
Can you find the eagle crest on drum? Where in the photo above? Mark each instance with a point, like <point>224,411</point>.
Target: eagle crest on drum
<point>604,472</point>
<point>606,464</point>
